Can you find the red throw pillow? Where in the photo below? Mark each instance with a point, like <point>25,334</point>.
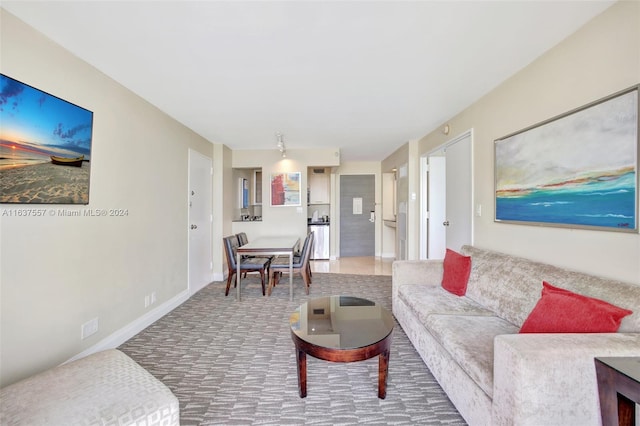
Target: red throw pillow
<point>562,311</point>
<point>456,272</point>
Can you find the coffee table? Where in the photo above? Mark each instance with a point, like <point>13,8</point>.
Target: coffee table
<point>342,329</point>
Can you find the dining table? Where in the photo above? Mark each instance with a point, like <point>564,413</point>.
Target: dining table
<point>269,246</point>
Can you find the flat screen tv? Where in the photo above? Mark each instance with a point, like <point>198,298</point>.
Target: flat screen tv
<point>45,147</point>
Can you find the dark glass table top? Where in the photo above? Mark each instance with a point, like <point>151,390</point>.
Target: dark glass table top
<point>341,322</point>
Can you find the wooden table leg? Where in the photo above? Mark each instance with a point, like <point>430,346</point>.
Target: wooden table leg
<point>302,373</point>
<point>270,279</point>
<point>383,369</point>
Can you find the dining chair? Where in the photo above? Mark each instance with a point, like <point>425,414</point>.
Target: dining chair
<point>242,238</point>
<point>280,265</point>
<point>248,264</point>
<point>298,254</point>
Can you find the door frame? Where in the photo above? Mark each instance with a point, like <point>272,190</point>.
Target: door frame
<point>424,186</point>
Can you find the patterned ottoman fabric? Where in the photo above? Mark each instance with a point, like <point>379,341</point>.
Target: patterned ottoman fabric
<point>104,388</point>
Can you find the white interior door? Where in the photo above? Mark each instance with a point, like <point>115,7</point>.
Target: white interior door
<point>200,221</point>
<point>449,198</point>
<point>437,207</point>
<point>458,221</point>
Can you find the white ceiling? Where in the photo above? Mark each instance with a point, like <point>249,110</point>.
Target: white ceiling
<point>362,76</point>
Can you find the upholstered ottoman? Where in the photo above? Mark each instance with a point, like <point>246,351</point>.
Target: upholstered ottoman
<point>104,388</point>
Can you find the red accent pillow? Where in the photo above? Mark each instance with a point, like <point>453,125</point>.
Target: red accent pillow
<point>456,272</point>
<point>562,311</point>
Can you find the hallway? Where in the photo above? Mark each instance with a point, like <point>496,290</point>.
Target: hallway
<point>368,265</point>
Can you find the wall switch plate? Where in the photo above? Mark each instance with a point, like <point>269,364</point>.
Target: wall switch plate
<point>88,328</point>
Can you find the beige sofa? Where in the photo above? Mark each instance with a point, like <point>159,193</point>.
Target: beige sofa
<point>106,388</point>
<point>492,374</point>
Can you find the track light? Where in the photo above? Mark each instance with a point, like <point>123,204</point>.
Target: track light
<point>280,145</point>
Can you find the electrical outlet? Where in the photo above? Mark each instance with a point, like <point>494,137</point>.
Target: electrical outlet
<point>88,328</point>
<point>146,301</point>
<point>153,297</point>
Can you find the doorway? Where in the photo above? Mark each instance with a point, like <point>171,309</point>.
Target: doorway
<point>447,189</point>
<point>200,221</point>
<point>357,220</point>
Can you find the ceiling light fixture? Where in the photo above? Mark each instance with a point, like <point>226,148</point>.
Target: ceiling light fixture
<point>281,146</point>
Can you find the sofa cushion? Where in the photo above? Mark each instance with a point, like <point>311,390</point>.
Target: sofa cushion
<point>456,272</point>
<point>519,286</point>
<point>426,300</point>
<point>469,341</point>
<point>563,311</point>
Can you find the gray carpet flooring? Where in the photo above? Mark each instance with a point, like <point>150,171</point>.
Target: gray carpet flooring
<point>233,363</point>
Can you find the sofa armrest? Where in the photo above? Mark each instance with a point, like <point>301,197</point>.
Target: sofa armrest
<point>550,379</point>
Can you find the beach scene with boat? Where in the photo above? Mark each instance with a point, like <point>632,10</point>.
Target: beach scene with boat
<point>45,147</point>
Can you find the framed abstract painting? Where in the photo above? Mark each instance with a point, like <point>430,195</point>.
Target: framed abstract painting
<point>577,170</point>
<point>285,189</point>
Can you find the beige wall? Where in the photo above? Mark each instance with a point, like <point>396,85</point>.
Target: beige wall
<point>294,219</point>
<point>280,219</point>
<point>600,59</point>
<point>56,273</point>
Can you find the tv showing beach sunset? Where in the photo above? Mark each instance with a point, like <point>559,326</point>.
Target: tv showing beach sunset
<point>45,147</point>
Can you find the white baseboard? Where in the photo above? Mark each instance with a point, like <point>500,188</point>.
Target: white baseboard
<point>133,328</point>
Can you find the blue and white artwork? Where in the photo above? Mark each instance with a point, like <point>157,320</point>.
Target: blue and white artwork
<point>579,170</point>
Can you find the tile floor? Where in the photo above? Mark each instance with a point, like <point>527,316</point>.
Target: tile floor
<point>354,265</point>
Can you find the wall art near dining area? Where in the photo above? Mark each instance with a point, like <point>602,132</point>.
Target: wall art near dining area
<point>45,147</point>
<point>577,170</point>
<point>285,189</point>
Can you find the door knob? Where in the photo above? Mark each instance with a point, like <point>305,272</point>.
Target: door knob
<point>445,223</point>
<point>194,226</point>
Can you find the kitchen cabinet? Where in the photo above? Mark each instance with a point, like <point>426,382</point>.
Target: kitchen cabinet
<point>319,186</point>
